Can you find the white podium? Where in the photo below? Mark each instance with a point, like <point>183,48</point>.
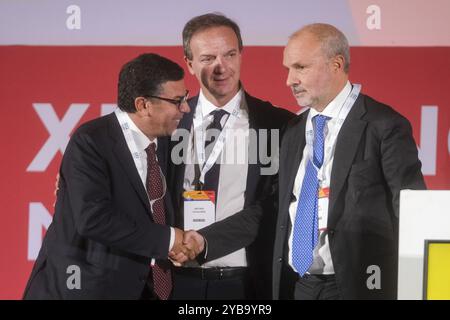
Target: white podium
<point>424,215</point>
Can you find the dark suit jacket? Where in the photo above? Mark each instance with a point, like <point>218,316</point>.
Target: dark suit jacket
<point>262,115</point>
<point>102,222</point>
<point>375,157</point>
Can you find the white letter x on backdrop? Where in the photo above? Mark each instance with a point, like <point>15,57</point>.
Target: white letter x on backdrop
<point>59,132</point>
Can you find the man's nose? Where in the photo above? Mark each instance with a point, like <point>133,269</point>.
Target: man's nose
<point>291,79</point>
<point>220,65</point>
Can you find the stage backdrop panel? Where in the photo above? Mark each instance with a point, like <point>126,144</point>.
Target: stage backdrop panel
<point>59,62</point>
<point>48,91</point>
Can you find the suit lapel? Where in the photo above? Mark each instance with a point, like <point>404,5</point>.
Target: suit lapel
<point>123,154</point>
<point>290,165</point>
<point>179,170</point>
<point>346,147</point>
<point>253,168</point>
<point>163,157</point>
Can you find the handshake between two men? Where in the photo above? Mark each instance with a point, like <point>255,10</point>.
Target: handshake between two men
<point>187,246</point>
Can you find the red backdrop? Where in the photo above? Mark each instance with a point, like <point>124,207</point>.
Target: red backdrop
<point>414,81</point>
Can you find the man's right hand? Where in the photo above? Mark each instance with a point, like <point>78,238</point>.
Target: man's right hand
<point>192,243</point>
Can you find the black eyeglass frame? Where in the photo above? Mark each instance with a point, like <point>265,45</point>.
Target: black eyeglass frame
<point>176,102</point>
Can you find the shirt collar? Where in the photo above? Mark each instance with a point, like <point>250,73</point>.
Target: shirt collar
<point>332,110</point>
<point>207,107</point>
<point>141,140</point>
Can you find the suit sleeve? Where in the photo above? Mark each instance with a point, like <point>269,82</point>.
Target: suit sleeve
<point>233,233</point>
<point>87,177</point>
<point>399,157</point>
<point>240,229</point>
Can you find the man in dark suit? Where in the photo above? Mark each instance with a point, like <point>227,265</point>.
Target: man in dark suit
<point>212,47</point>
<point>362,153</point>
<point>342,166</point>
<point>110,234</point>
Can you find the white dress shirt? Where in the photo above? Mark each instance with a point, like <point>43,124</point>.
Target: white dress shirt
<point>142,142</point>
<point>233,167</point>
<point>322,262</point>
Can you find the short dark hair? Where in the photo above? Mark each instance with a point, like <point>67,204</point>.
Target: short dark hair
<point>206,21</point>
<point>143,76</point>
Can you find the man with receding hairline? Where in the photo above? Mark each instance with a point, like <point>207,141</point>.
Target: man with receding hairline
<point>342,166</point>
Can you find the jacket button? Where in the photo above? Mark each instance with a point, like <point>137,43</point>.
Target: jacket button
<point>280,260</point>
<point>281,227</point>
<point>331,232</point>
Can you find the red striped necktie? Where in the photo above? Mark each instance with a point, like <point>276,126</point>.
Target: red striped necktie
<point>162,277</point>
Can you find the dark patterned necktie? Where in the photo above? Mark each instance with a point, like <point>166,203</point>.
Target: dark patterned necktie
<point>212,176</point>
<point>162,277</point>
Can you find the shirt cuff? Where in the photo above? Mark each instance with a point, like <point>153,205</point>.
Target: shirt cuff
<point>205,255</point>
<point>172,238</point>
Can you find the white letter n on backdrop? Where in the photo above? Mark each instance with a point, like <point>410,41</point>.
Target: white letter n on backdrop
<point>39,218</point>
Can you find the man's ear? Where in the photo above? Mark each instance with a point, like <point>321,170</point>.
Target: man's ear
<point>141,104</point>
<point>338,63</point>
<point>189,65</point>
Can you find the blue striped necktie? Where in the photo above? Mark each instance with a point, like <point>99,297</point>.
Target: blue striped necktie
<point>306,230</point>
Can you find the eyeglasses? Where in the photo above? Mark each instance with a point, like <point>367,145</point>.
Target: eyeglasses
<point>177,102</point>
